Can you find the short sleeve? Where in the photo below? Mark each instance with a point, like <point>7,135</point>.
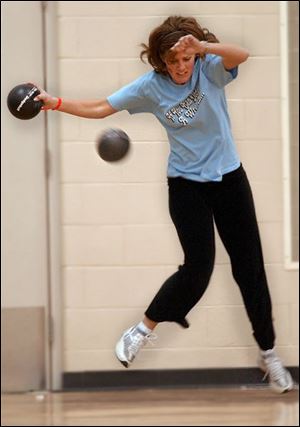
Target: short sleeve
<point>215,71</point>
<point>131,98</point>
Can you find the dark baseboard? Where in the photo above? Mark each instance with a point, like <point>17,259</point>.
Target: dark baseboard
<point>104,380</point>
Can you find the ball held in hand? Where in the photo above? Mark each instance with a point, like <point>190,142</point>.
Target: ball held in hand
<point>20,101</point>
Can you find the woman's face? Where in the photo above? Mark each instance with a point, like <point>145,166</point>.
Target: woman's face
<point>180,66</point>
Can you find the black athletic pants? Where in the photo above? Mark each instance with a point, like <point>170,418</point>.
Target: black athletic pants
<point>193,208</point>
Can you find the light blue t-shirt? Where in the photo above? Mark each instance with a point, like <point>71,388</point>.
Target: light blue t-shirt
<point>194,115</point>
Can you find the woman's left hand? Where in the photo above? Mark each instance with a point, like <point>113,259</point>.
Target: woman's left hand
<point>190,45</point>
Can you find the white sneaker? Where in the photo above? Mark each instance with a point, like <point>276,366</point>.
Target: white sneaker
<point>130,343</point>
<point>279,377</point>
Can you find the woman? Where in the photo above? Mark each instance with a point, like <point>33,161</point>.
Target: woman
<point>206,180</point>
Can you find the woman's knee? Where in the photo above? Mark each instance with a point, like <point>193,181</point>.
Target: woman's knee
<point>197,273</point>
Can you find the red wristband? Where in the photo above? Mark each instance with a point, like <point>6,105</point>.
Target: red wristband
<point>58,104</point>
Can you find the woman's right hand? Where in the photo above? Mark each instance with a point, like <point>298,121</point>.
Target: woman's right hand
<point>49,101</point>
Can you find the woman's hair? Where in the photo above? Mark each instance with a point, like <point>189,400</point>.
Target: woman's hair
<point>162,38</point>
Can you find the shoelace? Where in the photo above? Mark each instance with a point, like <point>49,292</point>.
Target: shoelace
<point>274,368</point>
<point>139,340</point>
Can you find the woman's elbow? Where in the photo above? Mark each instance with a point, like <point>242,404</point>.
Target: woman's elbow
<point>245,55</point>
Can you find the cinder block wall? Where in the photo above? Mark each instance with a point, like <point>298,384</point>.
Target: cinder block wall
<point>119,243</point>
